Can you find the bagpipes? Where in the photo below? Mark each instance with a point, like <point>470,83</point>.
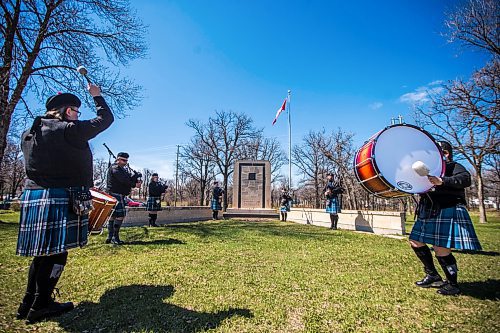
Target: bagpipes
<point>132,172</point>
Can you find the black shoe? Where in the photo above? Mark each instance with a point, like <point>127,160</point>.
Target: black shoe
<point>434,281</point>
<point>449,290</point>
<point>54,309</point>
<point>23,310</point>
<point>107,241</point>
<point>117,242</point>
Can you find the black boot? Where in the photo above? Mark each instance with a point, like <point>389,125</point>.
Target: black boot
<point>44,306</point>
<point>335,221</point>
<point>215,215</point>
<point>153,219</point>
<point>332,222</point>
<point>449,265</point>
<point>284,216</point>
<point>432,277</point>
<point>116,233</point>
<point>29,296</point>
<point>111,230</point>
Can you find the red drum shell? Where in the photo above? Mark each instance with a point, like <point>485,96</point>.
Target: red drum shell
<point>104,205</point>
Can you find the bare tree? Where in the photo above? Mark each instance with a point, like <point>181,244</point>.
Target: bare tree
<point>476,24</point>
<point>13,172</point>
<point>338,148</point>
<point>311,161</point>
<point>260,148</point>
<point>222,134</point>
<point>43,41</point>
<point>100,170</point>
<point>197,163</point>
<point>492,178</point>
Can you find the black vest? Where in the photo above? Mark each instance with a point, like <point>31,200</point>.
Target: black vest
<point>51,161</point>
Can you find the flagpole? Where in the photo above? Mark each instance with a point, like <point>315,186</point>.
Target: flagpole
<point>289,145</point>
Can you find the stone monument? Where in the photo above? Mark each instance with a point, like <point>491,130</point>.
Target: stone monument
<point>252,184</point>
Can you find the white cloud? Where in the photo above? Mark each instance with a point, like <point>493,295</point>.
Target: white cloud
<point>422,94</point>
<point>376,105</point>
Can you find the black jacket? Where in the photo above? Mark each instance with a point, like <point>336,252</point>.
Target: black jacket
<point>333,190</point>
<point>120,180</point>
<point>156,189</point>
<point>57,153</point>
<point>285,198</point>
<point>452,192</point>
<point>217,192</point>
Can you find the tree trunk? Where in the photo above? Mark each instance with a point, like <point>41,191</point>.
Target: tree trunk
<point>480,196</point>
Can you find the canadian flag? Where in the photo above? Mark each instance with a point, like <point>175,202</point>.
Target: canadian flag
<point>281,109</point>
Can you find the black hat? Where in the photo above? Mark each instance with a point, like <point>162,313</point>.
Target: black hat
<point>445,145</point>
<point>122,154</point>
<point>60,100</point>
<point>330,174</point>
<point>154,174</point>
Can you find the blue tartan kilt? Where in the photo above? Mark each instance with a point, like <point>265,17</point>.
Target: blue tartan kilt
<point>285,208</point>
<point>332,206</point>
<point>153,204</point>
<point>120,210</point>
<point>452,228</point>
<point>215,205</point>
<point>48,224</point>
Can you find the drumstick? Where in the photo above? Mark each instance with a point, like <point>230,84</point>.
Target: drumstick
<point>420,168</point>
<point>82,70</point>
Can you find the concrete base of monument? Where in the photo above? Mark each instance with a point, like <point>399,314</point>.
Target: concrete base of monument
<point>138,216</point>
<point>382,223</point>
<point>234,213</point>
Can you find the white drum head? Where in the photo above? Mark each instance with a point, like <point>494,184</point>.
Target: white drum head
<point>102,196</point>
<point>397,148</point>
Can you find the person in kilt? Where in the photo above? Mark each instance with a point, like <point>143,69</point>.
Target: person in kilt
<point>55,201</point>
<point>333,201</point>
<point>216,203</point>
<point>119,184</point>
<point>156,189</point>
<point>443,222</point>
<point>285,200</point>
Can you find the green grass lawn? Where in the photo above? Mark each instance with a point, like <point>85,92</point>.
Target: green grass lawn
<point>233,276</point>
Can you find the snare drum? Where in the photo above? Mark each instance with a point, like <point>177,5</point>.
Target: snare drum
<point>104,205</point>
<point>383,165</point>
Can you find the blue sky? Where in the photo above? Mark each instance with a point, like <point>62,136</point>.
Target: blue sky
<point>348,65</point>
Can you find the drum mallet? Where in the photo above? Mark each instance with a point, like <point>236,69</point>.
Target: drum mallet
<point>82,70</point>
<point>420,168</point>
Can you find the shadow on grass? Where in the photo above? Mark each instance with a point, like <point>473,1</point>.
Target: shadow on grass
<point>168,241</point>
<point>481,253</point>
<point>234,229</point>
<point>142,308</point>
<point>485,290</point>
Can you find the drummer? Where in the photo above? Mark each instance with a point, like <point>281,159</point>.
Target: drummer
<point>55,201</point>
<point>443,221</point>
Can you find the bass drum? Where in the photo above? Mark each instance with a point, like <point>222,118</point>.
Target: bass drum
<point>383,165</point>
